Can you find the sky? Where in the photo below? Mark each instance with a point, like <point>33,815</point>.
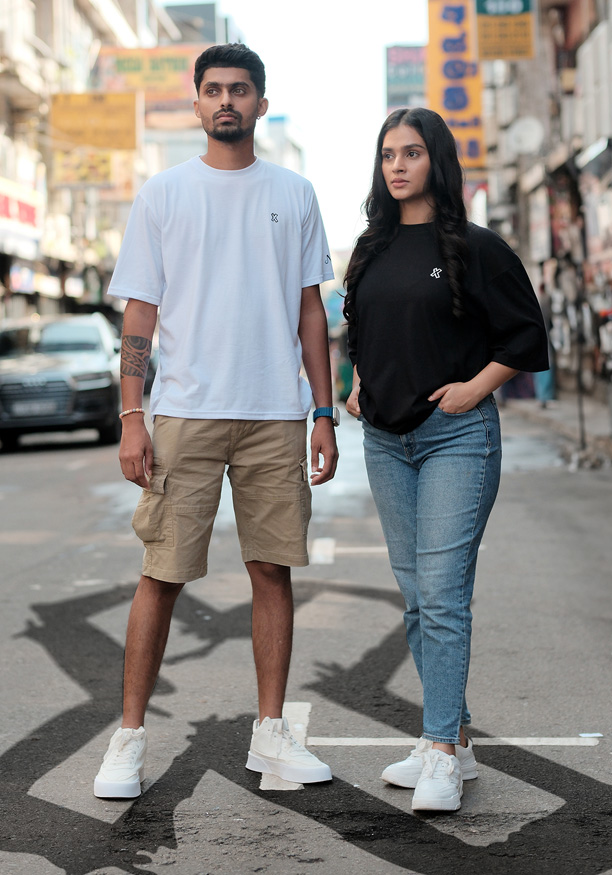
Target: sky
<point>325,70</point>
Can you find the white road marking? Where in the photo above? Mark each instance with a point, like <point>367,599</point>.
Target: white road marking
<point>362,551</point>
<point>322,551</point>
<point>344,741</point>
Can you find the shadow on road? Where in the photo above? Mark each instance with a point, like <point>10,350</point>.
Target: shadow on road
<point>574,840</point>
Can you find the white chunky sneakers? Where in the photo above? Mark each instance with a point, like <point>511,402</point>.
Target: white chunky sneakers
<point>276,752</point>
<point>407,772</point>
<point>440,786</point>
<point>122,768</point>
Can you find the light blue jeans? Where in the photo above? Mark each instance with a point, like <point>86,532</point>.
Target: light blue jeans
<point>434,488</point>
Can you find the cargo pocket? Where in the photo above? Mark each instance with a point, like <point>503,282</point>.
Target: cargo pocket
<point>152,520</point>
<point>305,496</point>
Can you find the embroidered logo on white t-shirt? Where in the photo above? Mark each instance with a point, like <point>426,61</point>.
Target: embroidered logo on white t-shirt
<point>274,217</point>
<point>436,272</point>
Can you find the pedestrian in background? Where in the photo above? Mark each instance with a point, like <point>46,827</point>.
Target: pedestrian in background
<point>544,381</point>
<point>440,314</point>
<point>230,250</point>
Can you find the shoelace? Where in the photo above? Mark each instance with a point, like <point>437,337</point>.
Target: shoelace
<point>435,762</point>
<point>125,754</point>
<point>285,736</point>
<point>423,746</point>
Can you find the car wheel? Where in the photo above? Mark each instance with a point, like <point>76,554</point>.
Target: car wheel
<point>110,434</point>
<point>10,441</point>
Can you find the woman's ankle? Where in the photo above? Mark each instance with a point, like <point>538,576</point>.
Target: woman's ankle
<point>445,748</point>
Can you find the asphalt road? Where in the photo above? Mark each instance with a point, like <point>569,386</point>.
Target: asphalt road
<point>539,687</point>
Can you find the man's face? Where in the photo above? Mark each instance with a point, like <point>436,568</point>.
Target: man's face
<point>228,105</point>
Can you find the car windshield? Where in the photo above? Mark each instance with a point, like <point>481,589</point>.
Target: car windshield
<point>55,337</point>
<point>63,337</point>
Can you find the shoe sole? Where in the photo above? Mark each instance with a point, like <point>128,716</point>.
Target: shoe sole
<point>389,779</point>
<point>258,763</point>
<point>452,804</point>
<point>118,789</point>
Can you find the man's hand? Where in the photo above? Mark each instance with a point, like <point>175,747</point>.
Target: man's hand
<point>136,450</point>
<point>323,443</point>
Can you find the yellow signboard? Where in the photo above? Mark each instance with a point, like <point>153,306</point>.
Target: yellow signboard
<point>454,84</point>
<point>505,29</point>
<point>104,121</point>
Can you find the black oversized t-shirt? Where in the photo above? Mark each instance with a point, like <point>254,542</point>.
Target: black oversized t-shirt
<point>406,342</point>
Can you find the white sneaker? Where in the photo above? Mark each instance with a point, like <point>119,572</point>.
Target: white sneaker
<point>122,768</point>
<point>440,786</point>
<point>407,772</point>
<point>276,752</point>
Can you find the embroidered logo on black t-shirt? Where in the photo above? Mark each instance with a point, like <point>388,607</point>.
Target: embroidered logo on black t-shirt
<point>436,273</point>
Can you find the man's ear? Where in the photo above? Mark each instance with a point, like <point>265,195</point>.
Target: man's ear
<point>196,108</point>
<point>262,106</point>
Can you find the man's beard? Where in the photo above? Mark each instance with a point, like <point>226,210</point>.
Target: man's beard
<point>229,134</point>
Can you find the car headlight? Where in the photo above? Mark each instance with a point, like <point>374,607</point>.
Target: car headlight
<point>96,380</point>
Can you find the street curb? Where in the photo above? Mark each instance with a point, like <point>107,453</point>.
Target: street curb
<point>598,450</point>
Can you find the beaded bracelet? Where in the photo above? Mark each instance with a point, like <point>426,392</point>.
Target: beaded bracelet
<point>133,410</point>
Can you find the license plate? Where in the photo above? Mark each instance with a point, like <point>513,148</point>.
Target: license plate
<point>34,408</point>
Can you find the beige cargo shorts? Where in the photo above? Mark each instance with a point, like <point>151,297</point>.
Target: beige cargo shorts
<point>266,463</point>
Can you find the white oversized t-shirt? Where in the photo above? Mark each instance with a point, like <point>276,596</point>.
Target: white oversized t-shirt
<point>225,254</point>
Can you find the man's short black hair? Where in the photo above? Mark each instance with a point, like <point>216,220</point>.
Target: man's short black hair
<point>232,55</point>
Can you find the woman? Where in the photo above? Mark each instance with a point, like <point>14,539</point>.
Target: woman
<point>440,314</point>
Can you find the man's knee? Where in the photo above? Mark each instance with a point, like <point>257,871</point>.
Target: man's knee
<point>161,589</point>
<point>267,573</point>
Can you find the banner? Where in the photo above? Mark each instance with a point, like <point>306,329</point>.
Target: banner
<point>505,29</point>
<point>21,219</point>
<point>82,168</point>
<point>454,84</point>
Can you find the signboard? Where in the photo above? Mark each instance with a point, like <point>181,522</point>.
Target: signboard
<point>454,85</point>
<point>164,74</point>
<point>104,121</point>
<point>405,76</point>
<point>505,29</point>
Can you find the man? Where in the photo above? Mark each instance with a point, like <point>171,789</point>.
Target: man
<point>231,250</point>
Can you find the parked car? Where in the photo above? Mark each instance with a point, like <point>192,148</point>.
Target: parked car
<point>59,373</point>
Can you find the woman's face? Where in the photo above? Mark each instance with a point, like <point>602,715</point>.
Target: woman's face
<point>405,168</point>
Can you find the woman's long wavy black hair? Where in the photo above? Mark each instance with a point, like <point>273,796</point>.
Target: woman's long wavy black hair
<point>444,188</point>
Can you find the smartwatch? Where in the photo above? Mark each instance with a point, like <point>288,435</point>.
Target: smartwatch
<point>332,412</point>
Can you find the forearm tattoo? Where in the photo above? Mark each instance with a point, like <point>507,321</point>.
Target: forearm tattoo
<point>135,355</point>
